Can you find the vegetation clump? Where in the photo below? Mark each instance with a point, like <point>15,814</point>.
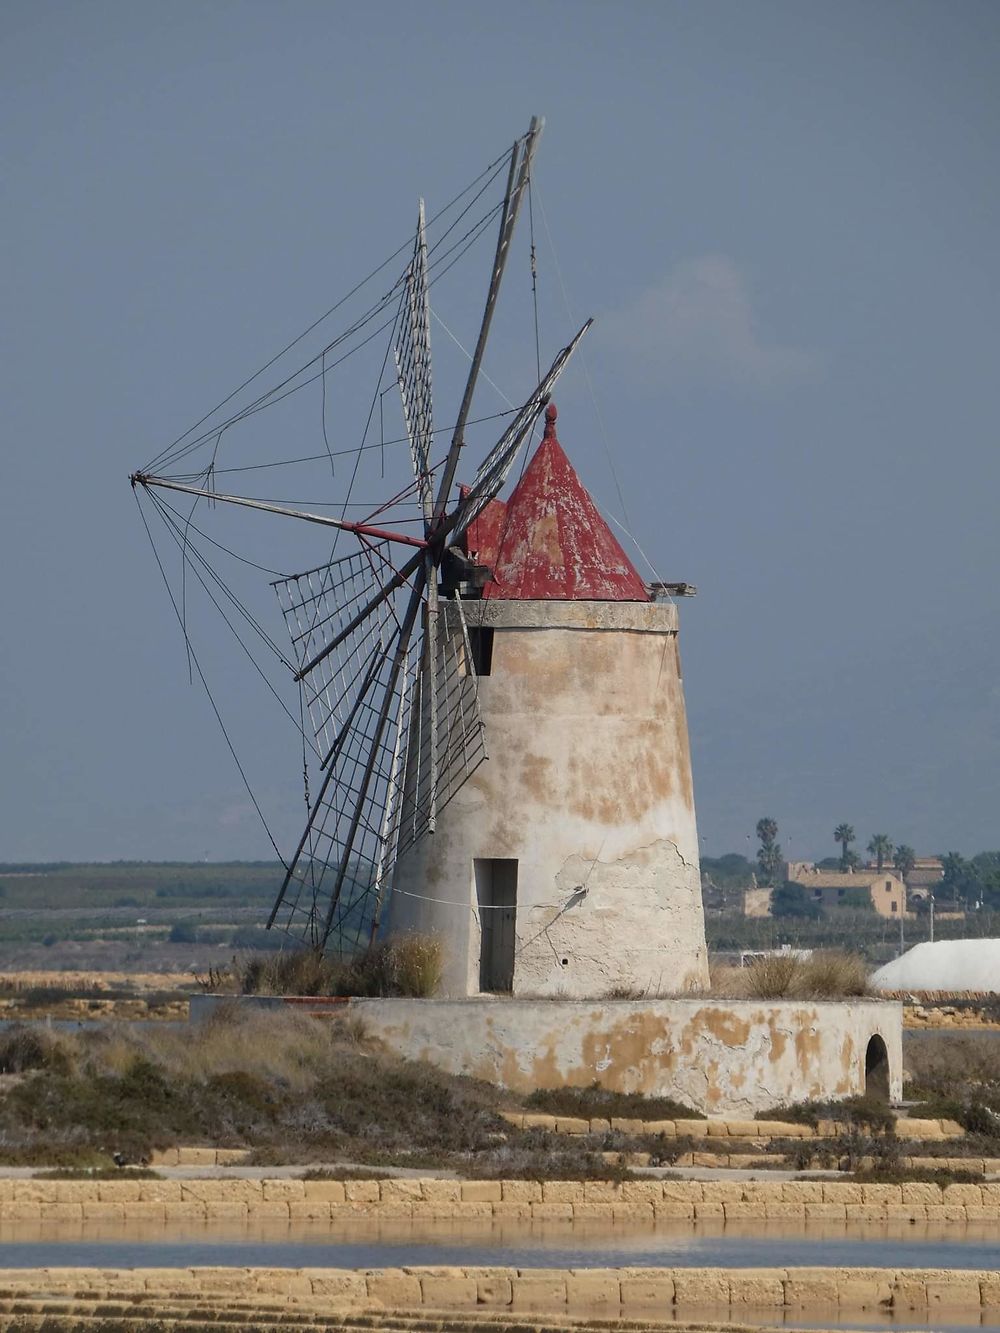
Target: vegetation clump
<point>787,976</point>
<point>597,1103</point>
<point>291,1088</point>
<point>408,965</point>
<point>957,1078</point>
<point>23,1048</point>
<point>854,1112</point>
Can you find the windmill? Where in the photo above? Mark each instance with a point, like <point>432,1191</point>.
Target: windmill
<point>380,641</point>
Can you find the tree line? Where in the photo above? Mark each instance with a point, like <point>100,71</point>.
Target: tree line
<point>969,884</point>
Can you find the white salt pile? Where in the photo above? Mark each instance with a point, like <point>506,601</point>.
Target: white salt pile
<point>950,965</point>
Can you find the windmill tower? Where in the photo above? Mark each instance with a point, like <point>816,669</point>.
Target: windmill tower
<point>568,863</point>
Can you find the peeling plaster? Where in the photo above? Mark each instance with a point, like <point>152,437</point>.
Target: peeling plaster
<point>693,1050</point>
<point>588,787</point>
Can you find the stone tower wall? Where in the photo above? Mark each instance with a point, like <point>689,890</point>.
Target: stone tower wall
<point>588,787</point>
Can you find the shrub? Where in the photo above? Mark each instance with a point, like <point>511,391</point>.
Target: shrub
<point>784,976</point>
<point>858,1112</point>
<point>183,932</point>
<point>290,972</point>
<point>832,976</point>
<point>24,1048</point>
<point>977,1118</point>
<point>772,978</point>
<point>596,1103</point>
<point>409,965</point>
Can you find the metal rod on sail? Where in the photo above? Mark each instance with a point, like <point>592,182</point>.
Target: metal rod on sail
<point>398,661</point>
<point>432,682</point>
<point>389,829</point>
<point>508,219</point>
<point>362,529</point>
<point>496,466</point>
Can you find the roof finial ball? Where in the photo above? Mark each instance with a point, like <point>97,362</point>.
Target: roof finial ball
<point>550,421</point>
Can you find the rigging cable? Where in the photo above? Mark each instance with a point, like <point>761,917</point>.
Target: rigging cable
<point>493,167</point>
<point>219,581</point>
<point>326,438</point>
<point>268,399</point>
<point>235,633</point>
<point>339,453</point>
<point>273,396</point>
<point>211,700</point>
<point>465,352</point>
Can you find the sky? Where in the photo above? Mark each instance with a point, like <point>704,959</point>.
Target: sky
<point>785,219</point>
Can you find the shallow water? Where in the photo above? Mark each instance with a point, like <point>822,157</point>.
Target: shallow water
<point>373,1244</point>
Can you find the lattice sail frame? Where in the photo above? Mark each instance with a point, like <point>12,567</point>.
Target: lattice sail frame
<point>412,352</point>
<point>376,799</point>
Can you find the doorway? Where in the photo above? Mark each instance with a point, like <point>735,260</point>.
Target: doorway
<point>877,1070</point>
<point>496,893</point>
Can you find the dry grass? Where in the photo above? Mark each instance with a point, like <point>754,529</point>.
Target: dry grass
<point>597,1103</point>
<point>824,976</point>
<point>773,978</point>
<point>957,1076</point>
<point>408,965</point>
<point>290,1087</point>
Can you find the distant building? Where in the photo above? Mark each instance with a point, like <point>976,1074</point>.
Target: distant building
<point>926,873</point>
<point>830,889</point>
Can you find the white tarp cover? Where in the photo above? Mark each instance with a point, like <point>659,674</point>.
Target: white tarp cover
<point>951,965</point>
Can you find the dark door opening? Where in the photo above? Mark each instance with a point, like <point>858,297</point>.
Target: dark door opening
<point>481,643</point>
<point>496,893</point>
<point>877,1070</point>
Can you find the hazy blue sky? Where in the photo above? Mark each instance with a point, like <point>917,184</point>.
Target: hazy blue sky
<point>784,217</point>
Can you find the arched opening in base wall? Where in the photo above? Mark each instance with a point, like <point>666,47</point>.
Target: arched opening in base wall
<point>877,1070</point>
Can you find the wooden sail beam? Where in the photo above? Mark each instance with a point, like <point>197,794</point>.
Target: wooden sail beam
<point>398,662</point>
<point>361,529</point>
<point>517,180</point>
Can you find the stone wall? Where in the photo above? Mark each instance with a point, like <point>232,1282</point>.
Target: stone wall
<point>724,1057</point>
<point>488,1201</point>
<point>609,1293</point>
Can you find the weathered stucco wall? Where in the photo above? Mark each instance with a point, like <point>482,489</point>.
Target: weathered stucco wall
<point>588,787</point>
<point>722,1057</point>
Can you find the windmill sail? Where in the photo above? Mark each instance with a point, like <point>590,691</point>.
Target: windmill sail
<point>358,699</point>
<point>334,887</point>
<point>388,695</point>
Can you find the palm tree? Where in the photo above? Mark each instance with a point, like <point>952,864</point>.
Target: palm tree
<point>844,834</point>
<point>767,830</point>
<point>881,848</point>
<point>769,856</point>
<point>904,859</point>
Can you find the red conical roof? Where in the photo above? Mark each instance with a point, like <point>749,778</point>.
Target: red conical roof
<point>549,542</point>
